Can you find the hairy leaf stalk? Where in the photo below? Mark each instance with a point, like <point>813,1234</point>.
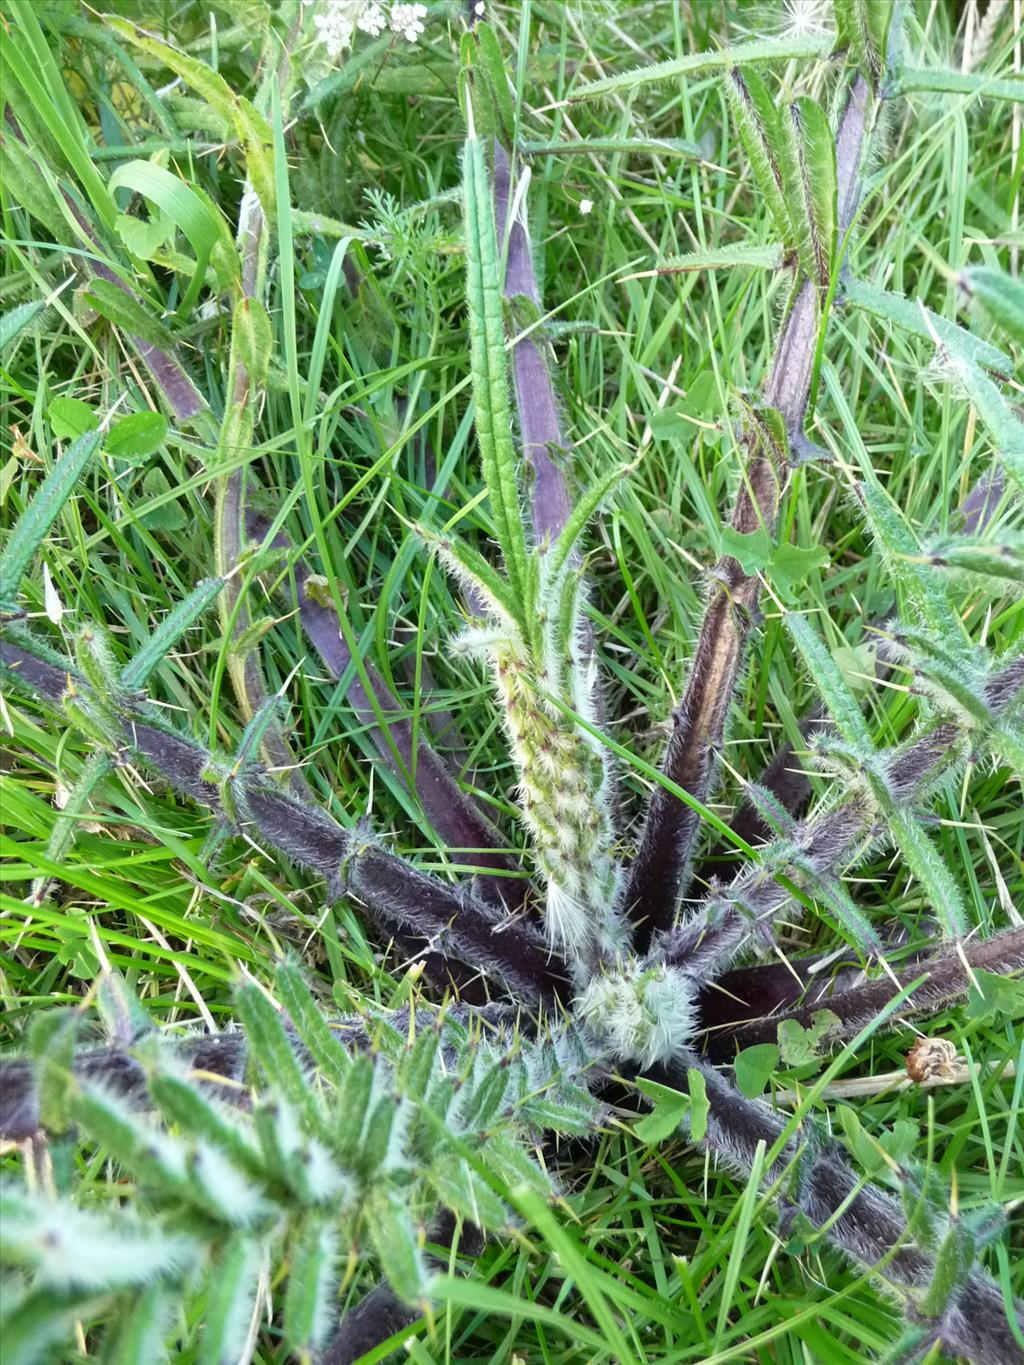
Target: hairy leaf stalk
<point>656,876</point>
<point>861,1220</point>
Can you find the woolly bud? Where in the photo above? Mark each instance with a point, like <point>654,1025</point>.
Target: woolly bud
<point>640,1013</point>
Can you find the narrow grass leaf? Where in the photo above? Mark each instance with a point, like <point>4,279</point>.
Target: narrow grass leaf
<point>189,209</point>
<point>588,1278</point>
<point>744,1222</point>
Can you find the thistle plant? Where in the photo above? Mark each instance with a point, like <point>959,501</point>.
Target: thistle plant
<point>271,1152</point>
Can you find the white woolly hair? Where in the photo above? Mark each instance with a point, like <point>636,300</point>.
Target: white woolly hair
<point>639,1013</point>
<point>568,922</point>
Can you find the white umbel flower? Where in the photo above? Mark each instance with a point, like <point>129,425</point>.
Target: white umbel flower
<point>373,20</point>
<point>407,20</point>
<point>336,23</point>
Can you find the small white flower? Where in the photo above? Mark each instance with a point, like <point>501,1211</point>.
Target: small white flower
<point>373,20</point>
<point>336,23</point>
<point>586,206</point>
<point>478,9</point>
<point>408,20</point>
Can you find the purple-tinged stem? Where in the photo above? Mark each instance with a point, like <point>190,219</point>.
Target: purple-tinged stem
<point>543,442</point>
<point>380,1314</point>
<point>452,814</point>
<point>784,776</point>
<point>769,993</point>
<point>178,392</point>
<point>982,502</point>
<point>397,895</point>
<point>539,427</point>
<point>863,1221</point>
<point>657,874</point>
<point>826,844</point>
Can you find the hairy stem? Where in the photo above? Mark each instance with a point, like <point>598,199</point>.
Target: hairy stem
<point>659,868</point>
<point>748,1005</point>
<point>537,407</point>
<point>946,980</point>
<point>453,815</point>
<point>861,1220</point>
<point>397,896</point>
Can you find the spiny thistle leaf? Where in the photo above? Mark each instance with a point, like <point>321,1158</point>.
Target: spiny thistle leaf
<point>770,257</point>
<point>913,78</point>
<point>231,1291</point>
<point>910,315</point>
<point>490,378</point>
<point>467,564</point>
<point>493,110</point>
<point>1005,428</point>
<point>840,701</point>
<point>757,120</point>
<point>312,1283</point>
<point>394,1238</point>
<point>929,868</point>
<point>1002,562</point>
<point>309,1023</point>
<point>903,557</point>
<point>136,674</point>
<point>864,26</point>
<point>51,1043</point>
<point>699,63</point>
<point>124,1018</point>
<point>67,1246</point>
<point>69,821</point>
<point>39,515</point>
<point>807,160</point>
<point>580,517</point>
<point>1000,295</point>
<point>138,1334</point>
